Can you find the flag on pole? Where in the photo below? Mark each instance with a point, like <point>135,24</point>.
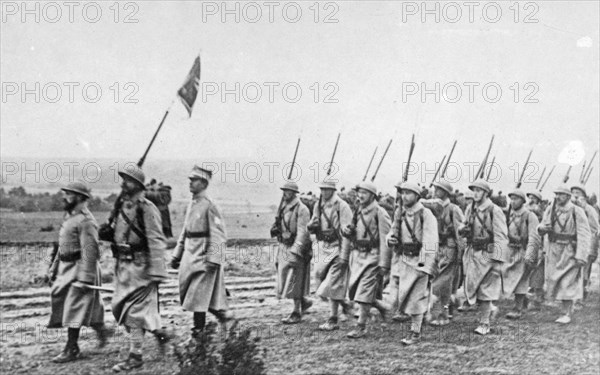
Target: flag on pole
<point>189,90</point>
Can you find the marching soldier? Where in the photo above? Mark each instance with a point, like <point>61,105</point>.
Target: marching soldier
<point>138,247</point>
<point>450,249</point>
<point>524,245</point>
<point>330,215</point>
<point>294,251</point>
<point>487,240</point>
<point>536,278</point>
<point>75,266</point>
<point>199,253</point>
<point>580,199</point>
<point>370,255</point>
<point>414,236</point>
<point>569,242</point>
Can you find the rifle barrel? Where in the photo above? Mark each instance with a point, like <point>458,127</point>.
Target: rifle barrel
<point>490,169</point>
<point>294,159</point>
<point>591,162</point>
<point>547,178</point>
<point>588,175</point>
<point>482,166</point>
<point>448,161</point>
<point>381,161</point>
<point>566,178</point>
<point>410,154</point>
<point>541,177</point>
<point>437,171</point>
<point>333,155</point>
<point>524,168</point>
<point>370,162</point>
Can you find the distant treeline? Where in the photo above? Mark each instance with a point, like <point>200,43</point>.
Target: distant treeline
<point>18,199</point>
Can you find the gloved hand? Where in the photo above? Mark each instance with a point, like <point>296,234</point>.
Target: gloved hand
<point>349,231</point>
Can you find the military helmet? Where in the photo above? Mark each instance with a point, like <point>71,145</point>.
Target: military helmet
<point>291,186</point>
<point>411,186</point>
<point>562,189</point>
<point>134,172</point>
<point>579,187</point>
<point>518,193</point>
<point>444,185</point>
<point>481,184</point>
<point>536,194</point>
<point>328,185</point>
<point>78,187</point>
<point>368,186</point>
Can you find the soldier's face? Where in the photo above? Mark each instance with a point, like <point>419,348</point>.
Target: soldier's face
<point>365,197</point>
<point>577,194</point>
<point>440,193</point>
<point>129,185</point>
<point>409,198</point>
<point>70,200</point>
<point>327,193</point>
<point>562,199</point>
<point>533,200</point>
<point>197,185</point>
<point>478,194</point>
<point>288,195</point>
<point>516,202</point>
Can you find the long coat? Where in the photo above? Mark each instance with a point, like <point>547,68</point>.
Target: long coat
<point>483,267</point>
<point>292,259</point>
<point>524,246</point>
<point>451,246</point>
<point>135,300</point>
<point>372,225</point>
<point>201,247</point>
<point>564,278</point>
<point>71,306</point>
<point>412,273</point>
<point>331,275</point>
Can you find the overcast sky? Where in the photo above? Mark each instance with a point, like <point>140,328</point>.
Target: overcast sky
<point>370,57</point>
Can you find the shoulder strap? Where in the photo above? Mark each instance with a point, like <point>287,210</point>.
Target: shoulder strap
<point>139,232</point>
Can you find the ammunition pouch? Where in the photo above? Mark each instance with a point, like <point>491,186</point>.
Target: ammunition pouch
<point>480,243</point>
<point>562,238</point>
<point>124,251</point>
<point>106,232</point>
<point>517,241</point>
<point>366,245</point>
<point>287,238</point>
<point>327,235</point>
<point>71,257</point>
<point>410,249</point>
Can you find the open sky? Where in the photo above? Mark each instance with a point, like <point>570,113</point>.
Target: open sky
<point>371,57</point>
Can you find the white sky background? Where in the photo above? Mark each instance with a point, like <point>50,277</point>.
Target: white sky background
<point>368,54</point>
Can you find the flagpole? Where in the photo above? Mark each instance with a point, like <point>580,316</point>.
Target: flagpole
<point>143,158</point>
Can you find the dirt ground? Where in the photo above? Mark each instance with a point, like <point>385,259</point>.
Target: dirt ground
<point>534,345</point>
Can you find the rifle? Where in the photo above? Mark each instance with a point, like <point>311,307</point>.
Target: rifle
<point>547,178</point>
<point>437,171</point>
<point>541,177</point>
<point>487,177</point>
<point>370,162</point>
<point>380,161</point>
<point>276,227</point>
<point>588,175</point>
<point>448,161</point>
<point>315,227</point>
<point>524,168</point>
<point>582,172</point>
<point>397,221</point>
<point>587,171</point>
<point>482,166</point>
<point>566,178</point>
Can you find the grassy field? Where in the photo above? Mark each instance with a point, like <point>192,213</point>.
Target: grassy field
<point>534,345</point>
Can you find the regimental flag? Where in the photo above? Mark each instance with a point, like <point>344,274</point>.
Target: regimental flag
<point>189,90</point>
